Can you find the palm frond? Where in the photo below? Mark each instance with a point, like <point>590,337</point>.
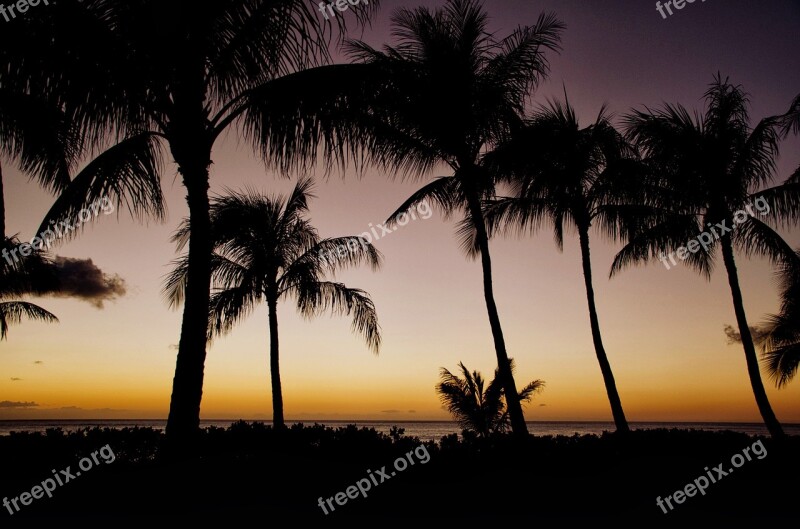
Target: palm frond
<point>12,313</point>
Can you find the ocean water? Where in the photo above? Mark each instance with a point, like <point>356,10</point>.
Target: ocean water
<point>425,430</point>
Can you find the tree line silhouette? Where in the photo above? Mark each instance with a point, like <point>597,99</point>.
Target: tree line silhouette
<point>138,80</point>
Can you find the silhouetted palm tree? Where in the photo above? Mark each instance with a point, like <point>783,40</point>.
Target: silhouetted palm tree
<point>48,148</point>
<point>265,250</point>
<point>454,90</point>
<point>29,275</point>
<point>780,345</point>
<point>572,177</point>
<point>476,408</point>
<point>170,70</point>
<point>705,173</point>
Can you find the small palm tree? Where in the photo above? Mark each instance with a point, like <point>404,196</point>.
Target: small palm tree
<point>452,90</point>
<point>705,172</point>
<point>475,407</point>
<point>264,249</point>
<point>573,177</point>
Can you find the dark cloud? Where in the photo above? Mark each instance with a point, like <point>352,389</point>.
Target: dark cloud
<point>80,278</point>
<point>15,379</point>
<point>734,336</point>
<point>38,362</point>
<point>540,405</point>
<point>16,404</point>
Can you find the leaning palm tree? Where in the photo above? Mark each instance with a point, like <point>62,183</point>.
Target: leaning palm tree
<point>475,407</point>
<point>780,345</point>
<point>572,176</point>
<point>706,175</point>
<point>453,90</point>
<point>264,249</point>
<point>185,79</point>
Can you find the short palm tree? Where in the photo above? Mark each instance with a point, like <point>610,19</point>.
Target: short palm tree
<point>476,406</point>
<point>264,249</point>
<point>572,176</point>
<point>705,172</point>
<point>452,90</point>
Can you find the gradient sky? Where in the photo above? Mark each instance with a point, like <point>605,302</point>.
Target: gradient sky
<point>663,329</point>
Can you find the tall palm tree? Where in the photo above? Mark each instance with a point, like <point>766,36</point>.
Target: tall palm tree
<point>476,408</point>
<point>780,345</point>
<point>572,176</point>
<point>264,249</point>
<point>705,173</point>
<point>452,91</point>
<point>166,69</point>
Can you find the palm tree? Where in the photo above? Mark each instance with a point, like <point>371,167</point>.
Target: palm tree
<point>705,174</point>
<point>452,90</point>
<point>29,275</point>
<point>573,177</point>
<point>184,75</point>
<point>48,148</point>
<point>475,408</point>
<point>780,345</point>
<point>264,248</point>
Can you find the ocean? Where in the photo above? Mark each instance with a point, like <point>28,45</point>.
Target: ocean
<point>425,430</point>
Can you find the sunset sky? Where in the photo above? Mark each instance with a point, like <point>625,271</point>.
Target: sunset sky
<point>663,329</point>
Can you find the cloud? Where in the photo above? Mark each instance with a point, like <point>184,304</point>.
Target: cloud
<point>15,379</point>
<point>412,411</point>
<point>38,362</point>
<point>758,334</point>
<point>16,404</point>
<point>540,405</point>
<point>82,279</point>
<point>390,411</point>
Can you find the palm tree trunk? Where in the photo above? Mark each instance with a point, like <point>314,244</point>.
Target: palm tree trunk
<point>605,367</point>
<point>187,387</point>
<point>771,422</point>
<point>2,207</point>
<point>274,367</point>
<point>518,426</point>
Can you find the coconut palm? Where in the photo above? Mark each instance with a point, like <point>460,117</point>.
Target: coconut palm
<point>184,75</point>
<point>574,177</point>
<point>706,172</point>
<point>264,249</point>
<point>453,90</point>
<point>476,406</point>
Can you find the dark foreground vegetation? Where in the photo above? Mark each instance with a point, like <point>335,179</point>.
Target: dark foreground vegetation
<point>248,472</point>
